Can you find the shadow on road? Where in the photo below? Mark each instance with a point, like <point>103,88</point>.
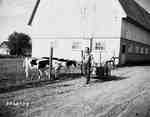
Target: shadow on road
<point>39,83</point>
<point>6,111</point>
<point>108,78</point>
<point>62,78</point>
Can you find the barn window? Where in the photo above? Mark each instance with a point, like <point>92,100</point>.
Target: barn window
<point>137,49</point>
<point>99,46</point>
<point>76,45</point>
<point>146,50</point>
<point>142,51</point>
<point>128,34</point>
<point>130,48</point>
<point>123,49</point>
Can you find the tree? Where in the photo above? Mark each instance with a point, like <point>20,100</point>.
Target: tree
<point>19,44</point>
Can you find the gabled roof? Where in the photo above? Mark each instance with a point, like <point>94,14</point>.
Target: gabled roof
<point>34,12</point>
<point>135,12</point>
<point>4,43</point>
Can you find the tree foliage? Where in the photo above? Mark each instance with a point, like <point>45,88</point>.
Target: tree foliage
<point>19,44</point>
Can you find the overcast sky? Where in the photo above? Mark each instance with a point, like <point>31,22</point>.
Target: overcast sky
<point>145,4</point>
<point>14,15</point>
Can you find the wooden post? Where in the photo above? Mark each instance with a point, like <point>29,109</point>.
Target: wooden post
<point>91,43</point>
<point>50,63</point>
<point>89,64</point>
<point>100,58</point>
<point>81,62</point>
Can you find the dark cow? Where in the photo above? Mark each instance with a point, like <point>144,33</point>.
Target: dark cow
<point>70,63</point>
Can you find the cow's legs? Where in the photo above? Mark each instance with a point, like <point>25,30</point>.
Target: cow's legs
<point>57,71</point>
<point>27,74</point>
<point>39,74</point>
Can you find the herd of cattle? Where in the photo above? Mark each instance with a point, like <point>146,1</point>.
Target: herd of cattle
<point>40,66</point>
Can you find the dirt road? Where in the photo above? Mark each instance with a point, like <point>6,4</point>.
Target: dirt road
<point>126,94</point>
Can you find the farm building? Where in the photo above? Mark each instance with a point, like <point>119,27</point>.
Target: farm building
<point>117,28</point>
<point>4,50</point>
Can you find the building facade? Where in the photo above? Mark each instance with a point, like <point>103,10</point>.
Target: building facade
<point>135,34</point>
<point>117,28</point>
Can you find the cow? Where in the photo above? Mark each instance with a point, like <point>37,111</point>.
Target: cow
<point>38,65</point>
<point>30,66</point>
<point>41,66</point>
<point>57,65</point>
<point>66,63</point>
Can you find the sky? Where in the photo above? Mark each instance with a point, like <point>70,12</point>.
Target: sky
<point>145,4</point>
<point>14,15</point>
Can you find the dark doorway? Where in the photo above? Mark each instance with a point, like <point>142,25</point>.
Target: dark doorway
<point>123,49</point>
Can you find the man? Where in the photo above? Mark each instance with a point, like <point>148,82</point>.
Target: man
<point>87,57</point>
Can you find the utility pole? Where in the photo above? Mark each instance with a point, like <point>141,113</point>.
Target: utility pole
<point>50,63</point>
<point>91,44</point>
<point>82,62</point>
<point>90,59</point>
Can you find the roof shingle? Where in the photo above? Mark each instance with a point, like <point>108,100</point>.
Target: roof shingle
<point>136,12</point>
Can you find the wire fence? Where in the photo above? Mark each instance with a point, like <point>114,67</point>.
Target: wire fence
<point>12,74</point>
<point>14,65</point>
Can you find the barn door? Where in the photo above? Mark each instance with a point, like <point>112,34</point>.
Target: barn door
<point>123,54</point>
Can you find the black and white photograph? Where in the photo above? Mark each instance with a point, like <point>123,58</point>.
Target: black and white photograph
<point>74,58</point>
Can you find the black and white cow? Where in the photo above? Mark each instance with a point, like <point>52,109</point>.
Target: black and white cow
<point>68,64</point>
<point>30,66</point>
<point>41,66</point>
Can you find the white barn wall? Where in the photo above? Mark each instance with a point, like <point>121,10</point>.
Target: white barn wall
<point>108,20</point>
<point>57,18</point>
<point>62,48</point>
<point>63,20</point>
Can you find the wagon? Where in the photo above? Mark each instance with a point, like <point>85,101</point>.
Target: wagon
<point>102,71</point>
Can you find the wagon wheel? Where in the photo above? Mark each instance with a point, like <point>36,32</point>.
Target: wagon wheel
<point>107,68</point>
<point>109,72</point>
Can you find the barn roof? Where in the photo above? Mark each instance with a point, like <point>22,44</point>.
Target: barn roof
<point>137,13</point>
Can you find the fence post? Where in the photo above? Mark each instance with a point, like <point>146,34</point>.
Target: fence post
<point>89,64</point>
<point>100,58</point>
<point>91,44</point>
<point>50,63</point>
<point>81,62</point>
